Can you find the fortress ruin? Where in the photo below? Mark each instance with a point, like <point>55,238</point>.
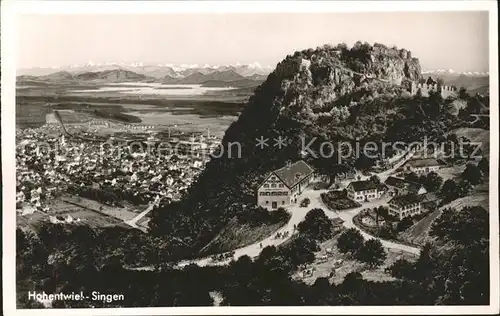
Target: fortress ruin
<point>432,85</point>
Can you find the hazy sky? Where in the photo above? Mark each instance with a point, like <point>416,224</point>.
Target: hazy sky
<point>440,40</point>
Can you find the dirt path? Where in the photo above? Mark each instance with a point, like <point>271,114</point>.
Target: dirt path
<point>133,221</point>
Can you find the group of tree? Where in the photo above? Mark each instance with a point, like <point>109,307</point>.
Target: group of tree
<point>452,190</point>
<point>316,225</point>
<point>455,274</point>
<point>431,182</point>
<point>476,174</point>
<point>456,271</point>
<point>472,175</point>
<point>371,251</point>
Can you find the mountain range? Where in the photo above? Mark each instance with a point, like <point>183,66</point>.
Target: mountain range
<point>214,76</point>
<point>475,82</point>
<point>226,78</point>
<point>239,76</point>
<point>156,71</point>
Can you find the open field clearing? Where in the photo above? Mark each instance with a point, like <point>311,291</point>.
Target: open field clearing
<point>338,265</point>
<point>31,114</point>
<point>62,211</point>
<point>123,214</point>
<point>187,122</point>
<point>237,236</point>
<point>451,172</point>
<point>69,117</point>
<point>419,232</point>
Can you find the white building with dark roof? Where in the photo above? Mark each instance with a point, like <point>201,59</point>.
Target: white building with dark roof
<point>422,166</point>
<point>402,206</point>
<point>365,190</point>
<point>398,186</point>
<point>282,186</point>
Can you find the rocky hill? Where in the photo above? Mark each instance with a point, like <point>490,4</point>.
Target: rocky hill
<point>106,76</point>
<point>115,75</point>
<point>313,93</point>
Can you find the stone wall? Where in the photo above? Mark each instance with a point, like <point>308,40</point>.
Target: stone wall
<point>445,91</point>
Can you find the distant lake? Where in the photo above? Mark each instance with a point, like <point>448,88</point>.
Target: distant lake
<point>154,89</point>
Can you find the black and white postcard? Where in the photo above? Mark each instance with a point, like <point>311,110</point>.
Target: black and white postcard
<point>272,157</point>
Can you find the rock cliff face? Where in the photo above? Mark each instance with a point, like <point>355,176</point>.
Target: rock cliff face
<point>318,83</point>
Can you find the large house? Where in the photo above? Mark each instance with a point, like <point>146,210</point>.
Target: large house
<point>422,166</point>
<point>398,186</point>
<point>402,206</point>
<point>282,186</point>
<point>365,190</point>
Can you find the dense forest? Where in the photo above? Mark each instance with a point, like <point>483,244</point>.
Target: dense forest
<point>453,270</point>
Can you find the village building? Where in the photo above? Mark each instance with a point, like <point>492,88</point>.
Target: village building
<point>422,166</point>
<point>282,186</point>
<point>398,186</point>
<point>365,190</point>
<point>345,176</point>
<point>402,206</point>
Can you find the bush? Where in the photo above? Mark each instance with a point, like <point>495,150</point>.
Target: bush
<point>372,253</point>
<point>337,200</point>
<point>406,223</point>
<point>305,202</point>
<point>316,225</point>
<point>350,241</point>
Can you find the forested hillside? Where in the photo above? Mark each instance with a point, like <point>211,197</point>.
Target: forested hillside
<point>332,93</point>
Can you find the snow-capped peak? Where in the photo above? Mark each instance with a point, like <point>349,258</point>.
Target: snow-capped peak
<point>170,69</point>
<point>441,71</point>
<point>452,72</point>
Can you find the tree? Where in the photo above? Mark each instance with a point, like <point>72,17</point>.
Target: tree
<point>350,241</point>
<point>381,212</point>
<point>372,253</point>
<point>432,182</point>
<point>450,190</point>
<point>300,251</point>
<point>425,264</point>
<point>464,188</point>
<point>364,162</point>
<point>484,165</point>
<point>401,269</point>
<point>387,231</point>
<point>412,176</point>
<point>375,179</point>
<point>317,225</point>
<point>462,93</point>
<point>404,224</point>
<point>471,223</point>
<point>352,282</point>
<point>473,174</point>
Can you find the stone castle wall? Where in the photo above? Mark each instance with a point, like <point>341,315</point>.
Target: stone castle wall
<point>445,91</point>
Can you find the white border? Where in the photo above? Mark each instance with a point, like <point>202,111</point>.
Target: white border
<point>10,11</point>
